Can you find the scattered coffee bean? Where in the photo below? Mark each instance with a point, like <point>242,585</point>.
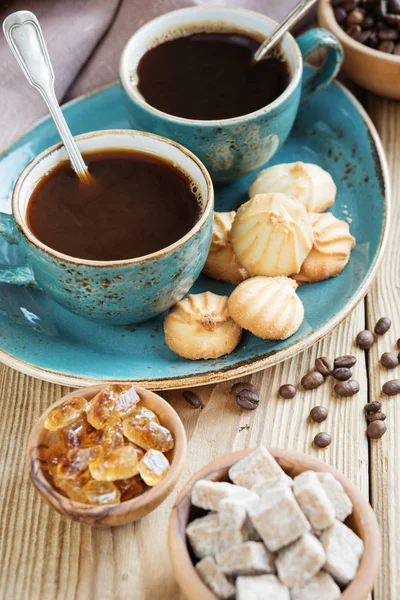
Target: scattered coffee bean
<point>347,361</point>
<point>382,325</point>
<point>192,398</point>
<point>373,407</point>
<point>347,388</point>
<point>242,385</point>
<point>365,339</point>
<point>247,400</point>
<point>389,360</point>
<point>392,387</point>
<point>378,416</point>
<point>324,365</point>
<point>342,374</point>
<point>376,429</point>
<point>322,440</point>
<point>312,380</point>
<point>287,391</point>
<point>319,414</point>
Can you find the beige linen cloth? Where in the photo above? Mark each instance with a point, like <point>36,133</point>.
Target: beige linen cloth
<point>85,39</point>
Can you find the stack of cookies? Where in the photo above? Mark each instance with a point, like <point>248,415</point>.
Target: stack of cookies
<point>269,537</point>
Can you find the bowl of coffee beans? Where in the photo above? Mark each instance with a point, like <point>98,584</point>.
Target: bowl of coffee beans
<point>369,31</point>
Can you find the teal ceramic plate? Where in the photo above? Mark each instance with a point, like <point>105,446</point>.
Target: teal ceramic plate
<point>42,339</point>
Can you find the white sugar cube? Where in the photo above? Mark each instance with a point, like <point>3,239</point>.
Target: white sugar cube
<point>257,467</point>
<point>300,561</point>
<point>263,587</point>
<point>213,577</point>
<point>250,558</point>
<point>203,535</point>
<point>313,500</point>
<point>208,494</point>
<point>343,549</point>
<point>339,499</point>
<point>320,587</point>
<point>232,519</point>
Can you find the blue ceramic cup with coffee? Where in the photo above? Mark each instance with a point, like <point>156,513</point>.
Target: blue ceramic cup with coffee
<point>235,146</point>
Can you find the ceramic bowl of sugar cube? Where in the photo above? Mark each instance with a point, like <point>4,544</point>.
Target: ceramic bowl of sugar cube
<point>276,525</point>
<point>107,455</point>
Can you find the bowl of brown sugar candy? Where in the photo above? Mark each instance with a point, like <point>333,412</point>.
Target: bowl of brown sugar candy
<point>369,31</point>
<point>107,455</point>
<point>273,525</point>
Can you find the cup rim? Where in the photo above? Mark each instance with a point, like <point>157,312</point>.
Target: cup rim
<point>139,99</point>
<point>21,224</point>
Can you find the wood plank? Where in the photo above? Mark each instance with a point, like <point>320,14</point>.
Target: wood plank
<point>383,300</point>
<point>44,556</point>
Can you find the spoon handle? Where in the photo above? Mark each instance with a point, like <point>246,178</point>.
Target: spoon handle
<point>291,19</point>
<point>25,38</point>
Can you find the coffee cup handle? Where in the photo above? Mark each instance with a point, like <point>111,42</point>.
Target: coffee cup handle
<point>309,42</point>
<point>14,274</point>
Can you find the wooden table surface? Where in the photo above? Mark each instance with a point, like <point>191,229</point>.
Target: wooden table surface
<point>44,556</point>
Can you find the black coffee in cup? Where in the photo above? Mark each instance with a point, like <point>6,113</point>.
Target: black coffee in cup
<point>210,76</point>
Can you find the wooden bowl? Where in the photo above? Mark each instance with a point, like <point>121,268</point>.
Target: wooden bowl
<point>362,521</point>
<point>112,514</point>
<point>373,70</point>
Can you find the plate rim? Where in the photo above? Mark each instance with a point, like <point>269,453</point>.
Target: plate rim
<point>250,365</point>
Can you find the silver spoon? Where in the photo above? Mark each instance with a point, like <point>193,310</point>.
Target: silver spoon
<point>25,38</point>
<point>291,19</point>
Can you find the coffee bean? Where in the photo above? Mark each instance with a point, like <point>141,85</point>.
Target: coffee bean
<point>373,407</point>
<point>389,360</point>
<point>347,361</point>
<point>287,391</point>
<point>349,5</point>
<point>312,380</point>
<point>323,365</point>
<point>354,31</point>
<point>392,387</point>
<point>376,429</point>
<point>368,22</point>
<point>319,414</point>
<point>340,15</point>
<point>191,398</point>
<point>356,16</point>
<point>342,374</point>
<point>322,440</point>
<point>365,339</point>
<point>242,385</point>
<point>382,325</point>
<point>347,388</point>
<point>394,6</point>
<point>387,47</point>
<point>388,34</point>
<point>364,36</point>
<point>378,416</point>
<point>247,400</point>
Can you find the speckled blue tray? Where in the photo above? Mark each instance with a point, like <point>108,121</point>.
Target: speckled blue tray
<point>40,338</point>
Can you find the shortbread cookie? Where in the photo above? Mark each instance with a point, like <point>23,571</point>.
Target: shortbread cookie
<point>331,250</point>
<point>263,587</point>
<point>313,500</point>
<point>300,561</point>
<point>267,306</point>
<point>200,327</point>
<point>311,185</point>
<point>272,235</point>
<point>212,575</point>
<point>221,261</point>
<point>208,494</point>
<point>343,550</point>
<point>320,587</point>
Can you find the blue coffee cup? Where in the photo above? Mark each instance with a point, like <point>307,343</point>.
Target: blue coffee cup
<point>229,148</point>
